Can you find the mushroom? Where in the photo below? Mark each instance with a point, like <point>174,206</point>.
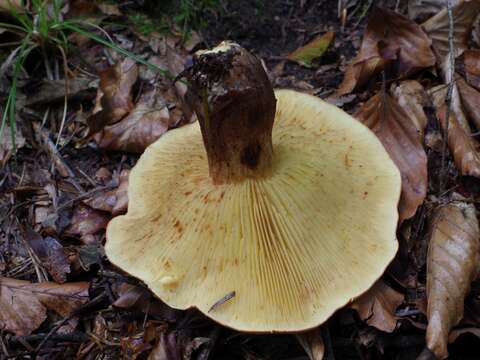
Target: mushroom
<point>263,226</point>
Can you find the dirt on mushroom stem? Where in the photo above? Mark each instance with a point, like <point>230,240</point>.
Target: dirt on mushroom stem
<point>235,104</point>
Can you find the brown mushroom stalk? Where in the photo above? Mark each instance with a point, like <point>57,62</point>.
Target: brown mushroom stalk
<point>235,105</point>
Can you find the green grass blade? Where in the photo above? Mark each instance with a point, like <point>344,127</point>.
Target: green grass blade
<point>139,59</point>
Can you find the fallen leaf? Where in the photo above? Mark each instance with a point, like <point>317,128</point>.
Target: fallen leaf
<point>470,98</point>
<point>471,61</point>
<point>6,143</point>
<point>166,348</point>
<point>412,98</point>
<point>6,5</point>
<point>462,146</point>
<point>313,50</point>
<point>454,334</point>
<point>114,95</point>
<point>312,343</point>
<point>438,95</point>
<point>399,136</point>
<point>452,264</point>
<point>437,28</point>
<point>149,120</point>
<point>139,298</point>
<point>51,91</point>
<point>389,37</point>
<point>114,201</point>
<point>51,253</point>
<point>87,222</point>
<point>377,306</point>
<point>109,9</point>
<point>423,9</point>
<point>24,305</point>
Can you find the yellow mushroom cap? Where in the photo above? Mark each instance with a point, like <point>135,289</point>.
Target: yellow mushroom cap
<point>292,246</point>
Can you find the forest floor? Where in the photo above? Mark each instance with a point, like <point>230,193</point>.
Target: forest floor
<point>67,175</point>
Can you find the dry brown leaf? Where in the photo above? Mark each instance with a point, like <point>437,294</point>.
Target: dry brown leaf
<point>452,263</point>
<point>114,201</point>
<point>462,146</point>
<point>411,96</point>
<point>423,9</point>
<point>399,136</point>
<point>87,222</point>
<point>471,61</point>
<point>312,343</point>
<point>389,37</point>
<point>6,144</point>
<point>438,95</point>
<point>51,253</point>
<point>377,306</point>
<point>464,13</point>
<point>306,54</point>
<point>149,120</point>
<point>6,5</point>
<point>24,305</point>
<point>139,298</point>
<point>470,98</point>
<point>166,348</point>
<point>114,96</point>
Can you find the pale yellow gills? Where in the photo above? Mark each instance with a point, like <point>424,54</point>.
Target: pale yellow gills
<point>291,247</point>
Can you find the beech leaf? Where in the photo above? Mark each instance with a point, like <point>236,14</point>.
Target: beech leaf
<point>389,37</point>
<point>471,61</point>
<point>24,305</point>
<point>470,98</point>
<point>452,264</point>
<point>312,343</point>
<point>437,28</point>
<point>114,95</point>
<point>149,120</point>
<point>399,136</point>
<point>114,201</point>
<point>313,50</point>
<point>412,98</point>
<point>462,146</point>
<point>377,306</point>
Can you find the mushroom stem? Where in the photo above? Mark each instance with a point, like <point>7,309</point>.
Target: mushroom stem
<point>235,105</point>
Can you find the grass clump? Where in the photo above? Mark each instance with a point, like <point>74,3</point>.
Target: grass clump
<point>42,27</point>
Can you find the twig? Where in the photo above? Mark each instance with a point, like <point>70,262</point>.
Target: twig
<point>449,77</point>
<point>60,164</point>
<point>76,312</point>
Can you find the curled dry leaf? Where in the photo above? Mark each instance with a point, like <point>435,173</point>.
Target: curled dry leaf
<point>421,10</point>
<point>464,14</point>
<point>462,146</point>
<point>389,37</point>
<point>313,50</point>
<point>399,136</point>
<point>412,98</point>
<point>51,253</point>
<point>149,120</point>
<point>114,96</point>
<point>377,306</point>
<point>452,264</point>
<point>471,62</point>
<point>86,222</point>
<point>470,98</point>
<point>166,348</point>
<point>438,95</point>
<point>24,305</point>
<point>114,201</point>
<point>139,298</point>
<point>312,343</point>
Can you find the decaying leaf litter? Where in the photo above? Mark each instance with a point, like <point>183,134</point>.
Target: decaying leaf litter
<point>58,194</point>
